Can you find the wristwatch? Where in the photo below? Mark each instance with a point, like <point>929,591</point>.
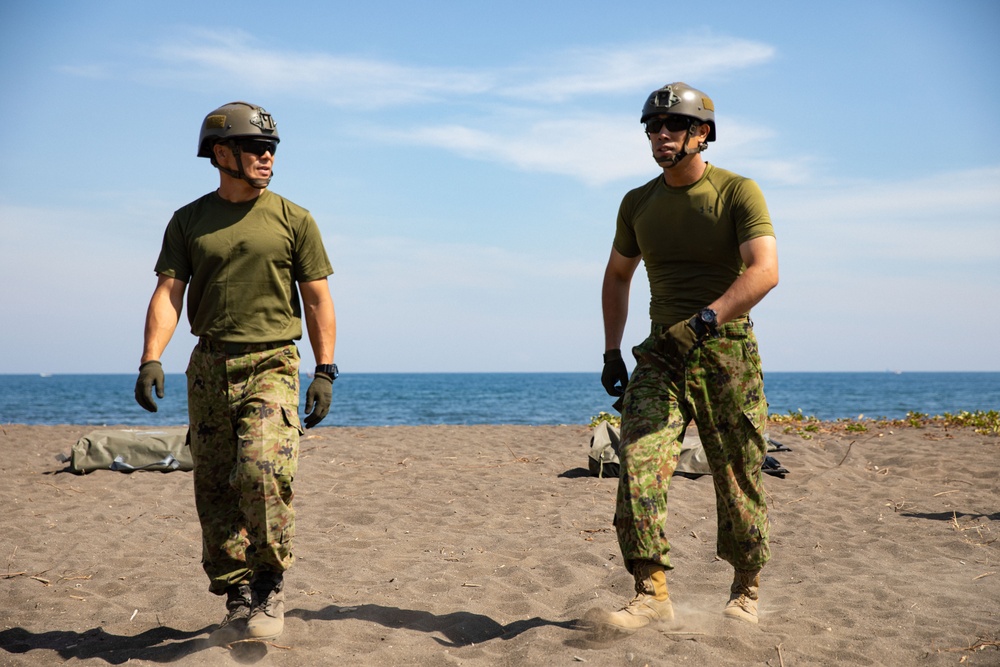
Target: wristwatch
<point>705,322</point>
<point>328,369</point>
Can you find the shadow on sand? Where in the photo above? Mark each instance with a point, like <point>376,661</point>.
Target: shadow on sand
<point>460,628</point>
<point>162,644</point>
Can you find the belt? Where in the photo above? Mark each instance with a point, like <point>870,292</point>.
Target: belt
<point>222,347</point>
<point>737,327</point>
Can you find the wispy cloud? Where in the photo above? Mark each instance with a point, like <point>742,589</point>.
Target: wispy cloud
<point>338,80</point>
<point>594,149</point>
<point>350,81</point>
<point>559,114</point>
<point>970,195</point>
<point>584,73</point>
<point>948,220</point>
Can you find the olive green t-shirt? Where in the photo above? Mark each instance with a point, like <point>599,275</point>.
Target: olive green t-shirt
<point>242,262</point>
<point>689,238</point>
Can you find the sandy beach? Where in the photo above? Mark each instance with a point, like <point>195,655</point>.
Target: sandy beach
<point>468,545</point>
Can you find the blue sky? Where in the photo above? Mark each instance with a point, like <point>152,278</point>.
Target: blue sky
<point>465,162</point>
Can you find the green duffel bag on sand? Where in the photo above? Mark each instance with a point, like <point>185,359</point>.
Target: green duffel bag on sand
<point>163,449</point>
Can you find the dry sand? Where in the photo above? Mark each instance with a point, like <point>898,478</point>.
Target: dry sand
<point>484,545</point>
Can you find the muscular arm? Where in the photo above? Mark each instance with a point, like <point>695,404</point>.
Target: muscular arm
<point>321,320</point>
<point>614,296</point>
<point>162,316</point>
<point>760,255</point>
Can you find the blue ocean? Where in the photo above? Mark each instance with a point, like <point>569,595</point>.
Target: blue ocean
<point>387,399</point>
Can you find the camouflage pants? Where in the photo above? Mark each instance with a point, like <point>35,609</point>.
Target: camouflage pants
<point>720,387</point>
<point>244,432</point>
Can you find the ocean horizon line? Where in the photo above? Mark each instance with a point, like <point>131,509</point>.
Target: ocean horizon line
<point>531,397</point>
<point>590,372</point>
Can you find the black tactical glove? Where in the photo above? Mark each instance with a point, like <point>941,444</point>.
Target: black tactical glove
<point>150,375</point>
<point>614,373</point>
<point>318,399</point>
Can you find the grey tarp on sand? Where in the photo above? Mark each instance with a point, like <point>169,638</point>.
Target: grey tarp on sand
<point>163,449</point>
<point>603,457</point>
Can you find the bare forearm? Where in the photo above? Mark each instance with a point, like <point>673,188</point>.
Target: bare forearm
<point>155,339</point>
<point>614,297</point>
<point>748,290</point>
<point>322,327</point>
<point>321,320</point>
<point>759,278</point>
<point>615,307</point>
<point>162,317</point>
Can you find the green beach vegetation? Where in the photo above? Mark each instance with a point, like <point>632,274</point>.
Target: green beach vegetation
<point>983,422</point>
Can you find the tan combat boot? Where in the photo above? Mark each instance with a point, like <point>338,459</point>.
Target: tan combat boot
<point>651,603</point>
<point>267,619</point>
<point>743,596</point>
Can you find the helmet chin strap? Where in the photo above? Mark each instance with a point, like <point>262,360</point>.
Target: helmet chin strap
<point>258,183</point>
<point>675,160</point>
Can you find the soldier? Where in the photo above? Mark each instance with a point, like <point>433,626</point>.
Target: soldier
<point>242,250</point>
<point>707,241</point>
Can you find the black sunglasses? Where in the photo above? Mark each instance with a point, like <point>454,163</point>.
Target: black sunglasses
<point>256,146</point>
<point>672,123</point>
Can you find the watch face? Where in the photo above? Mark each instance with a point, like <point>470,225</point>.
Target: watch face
<point>708,316</point>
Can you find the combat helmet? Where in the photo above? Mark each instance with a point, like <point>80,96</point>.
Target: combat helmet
<point>682,100</point>
<point>236,120</point>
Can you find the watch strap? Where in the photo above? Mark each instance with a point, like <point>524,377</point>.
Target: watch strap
<point>328,369</point>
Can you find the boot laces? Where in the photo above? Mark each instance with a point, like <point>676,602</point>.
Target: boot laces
<point>239,603</point>
<point>743,600</point>
<point>268,603</point>
<point>267,589</point>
